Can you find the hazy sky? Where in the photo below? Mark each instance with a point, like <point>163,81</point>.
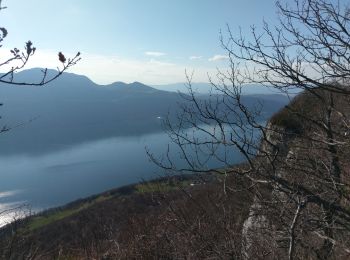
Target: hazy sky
<point>152,41</point>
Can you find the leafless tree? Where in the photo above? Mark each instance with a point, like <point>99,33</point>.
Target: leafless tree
<point>296,163</point>
<point>18,59</point>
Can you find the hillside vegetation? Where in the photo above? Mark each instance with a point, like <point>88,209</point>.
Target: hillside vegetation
<point>180,217</point>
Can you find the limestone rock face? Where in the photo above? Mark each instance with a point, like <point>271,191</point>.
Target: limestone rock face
<point>257,228</point>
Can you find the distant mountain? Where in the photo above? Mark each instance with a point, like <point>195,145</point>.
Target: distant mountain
<point>205,88</point>
<point>73,109</point>
<point>135,86</point>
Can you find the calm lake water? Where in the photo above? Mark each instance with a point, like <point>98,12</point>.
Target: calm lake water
<point>56,178</point>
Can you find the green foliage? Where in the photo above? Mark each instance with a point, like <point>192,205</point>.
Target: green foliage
<point>48,218</point>
<point>161,186</point>
<point>41,221</point>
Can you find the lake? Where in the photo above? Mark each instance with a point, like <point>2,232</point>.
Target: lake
<point>57,177</point>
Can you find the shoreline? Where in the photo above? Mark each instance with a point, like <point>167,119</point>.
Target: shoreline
<point>157,185</point>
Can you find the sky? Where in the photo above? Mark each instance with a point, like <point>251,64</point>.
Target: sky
<point>151,41</point>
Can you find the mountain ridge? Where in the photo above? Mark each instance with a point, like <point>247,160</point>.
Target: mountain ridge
<point>74,109</point>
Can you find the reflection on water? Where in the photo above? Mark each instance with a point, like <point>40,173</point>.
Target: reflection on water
<point>10,211</point>
<point>10,193</point>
